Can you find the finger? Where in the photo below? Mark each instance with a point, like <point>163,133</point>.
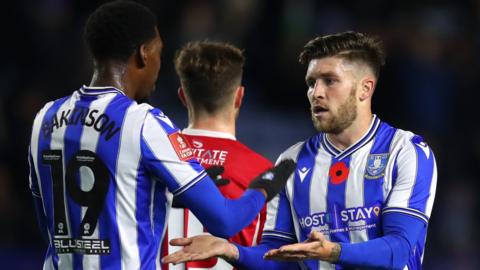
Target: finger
<point>178,257</point>
<point>180,241</point>
<point>299,247</point>
<point>214,171</point>
<point>316,235</point>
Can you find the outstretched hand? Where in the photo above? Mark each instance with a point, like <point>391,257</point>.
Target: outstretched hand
<point>201,247</point>
<point>315,247</point>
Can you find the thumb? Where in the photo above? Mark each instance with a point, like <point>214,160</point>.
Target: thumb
<point>180,242</point>
<point>316,236</point>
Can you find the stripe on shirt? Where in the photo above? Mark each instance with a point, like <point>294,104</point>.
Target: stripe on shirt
<point>46,184</point>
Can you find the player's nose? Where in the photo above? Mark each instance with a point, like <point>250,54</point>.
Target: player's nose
<point>318,89</point>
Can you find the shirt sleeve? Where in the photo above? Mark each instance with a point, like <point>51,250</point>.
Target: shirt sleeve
<point>37,198</point>
<point>251,258</point>
<point>279,223</point>
<point>413,188</point>
<point>167,154</point>
<point>390,251</point>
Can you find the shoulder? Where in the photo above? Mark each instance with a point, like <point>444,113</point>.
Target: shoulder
<point>410,146</point>
<point>293,151</point>
<point>247,153</point>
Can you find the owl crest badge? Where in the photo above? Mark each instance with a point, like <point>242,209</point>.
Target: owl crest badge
<point>376,164</point>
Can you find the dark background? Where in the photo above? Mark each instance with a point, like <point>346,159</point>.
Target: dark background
<point>429,86</point>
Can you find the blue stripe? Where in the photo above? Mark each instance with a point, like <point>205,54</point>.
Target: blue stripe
<point>160,205</point>
<point>155,166</point>
<point>108,151</point>
<point>335,204</point>
<point>406,211</point>
<point>44,139</point>
<point>71,145</point>
<point>373,187</point>
<point>423,179</point>
<point>164,121</point>
<point>145,237</point>
<point>301,189</point>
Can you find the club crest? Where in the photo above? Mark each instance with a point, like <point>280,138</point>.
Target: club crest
<point>376,164</point>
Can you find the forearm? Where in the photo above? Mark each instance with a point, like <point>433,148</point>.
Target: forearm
<point>252,257</point>
<point>222,217</point>
<point>391,251</point>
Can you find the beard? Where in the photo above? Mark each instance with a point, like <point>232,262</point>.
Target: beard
<point>342,119</point>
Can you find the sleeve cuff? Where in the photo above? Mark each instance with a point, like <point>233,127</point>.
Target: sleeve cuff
<point>406,211</point>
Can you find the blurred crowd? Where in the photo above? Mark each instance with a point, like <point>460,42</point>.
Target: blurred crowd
<point>429,86</point>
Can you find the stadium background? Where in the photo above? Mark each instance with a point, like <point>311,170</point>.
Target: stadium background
<point>429,86</point>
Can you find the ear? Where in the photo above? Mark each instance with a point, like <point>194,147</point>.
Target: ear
<point>141,55</point>
<point>181,96</point>
<point>367,87</point>
<point>239,96</point>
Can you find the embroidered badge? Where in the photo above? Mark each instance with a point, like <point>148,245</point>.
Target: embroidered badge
<point>181,146</point>
<point>376,164</point>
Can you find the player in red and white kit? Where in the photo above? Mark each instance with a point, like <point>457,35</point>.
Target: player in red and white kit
<point>210,74</point>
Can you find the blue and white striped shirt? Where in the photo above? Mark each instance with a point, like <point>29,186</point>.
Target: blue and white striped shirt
<point>105,168</point>
<point>344,194</point>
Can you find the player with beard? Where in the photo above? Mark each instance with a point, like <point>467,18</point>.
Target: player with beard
<point>363,191</point>
<point>104,168</point>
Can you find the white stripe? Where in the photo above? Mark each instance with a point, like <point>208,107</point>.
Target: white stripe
<point>407,164</point>
<point>36,130</point>
<point>279,235</point>
<point>57,143</point>
<point>89,141</point>
<point>257,229</point>
<point>168,206</point>
<point>128,160</point>
<point>355,190</point>
<point>318,194</point>
<point>388,178</point>
<point>157,140</point>
<point>48,264</point>
<point>175,230</point>
<point>415,211</point>
<point>422,217</point>
<point>433,188</point>
<point>190,183</point>
<point>272,205</point>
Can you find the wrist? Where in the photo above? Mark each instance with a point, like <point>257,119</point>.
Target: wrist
<point>231,253</point>
<point>334,253</point>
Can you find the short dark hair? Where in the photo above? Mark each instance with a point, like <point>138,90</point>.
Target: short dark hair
<point>209,73</point>
<point>350,45</point>
<point>116,29</point>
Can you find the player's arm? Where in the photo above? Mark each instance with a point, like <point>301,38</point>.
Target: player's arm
<point>187,180</point>
<point>225,217</point>
<point>404,219</point>
<point>37,199</point>
<point>278,232</point>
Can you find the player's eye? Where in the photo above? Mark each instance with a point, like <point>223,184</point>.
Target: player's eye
<point>329,81</point>
<point>310,83</point>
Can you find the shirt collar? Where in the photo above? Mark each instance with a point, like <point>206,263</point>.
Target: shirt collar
<point>366,138</point>
<point>99,90</point>
<point>208,133</point>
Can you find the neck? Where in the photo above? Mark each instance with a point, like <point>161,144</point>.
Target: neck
<point>112,74</point>
<point>224,122</point>
<point>353,133</point>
